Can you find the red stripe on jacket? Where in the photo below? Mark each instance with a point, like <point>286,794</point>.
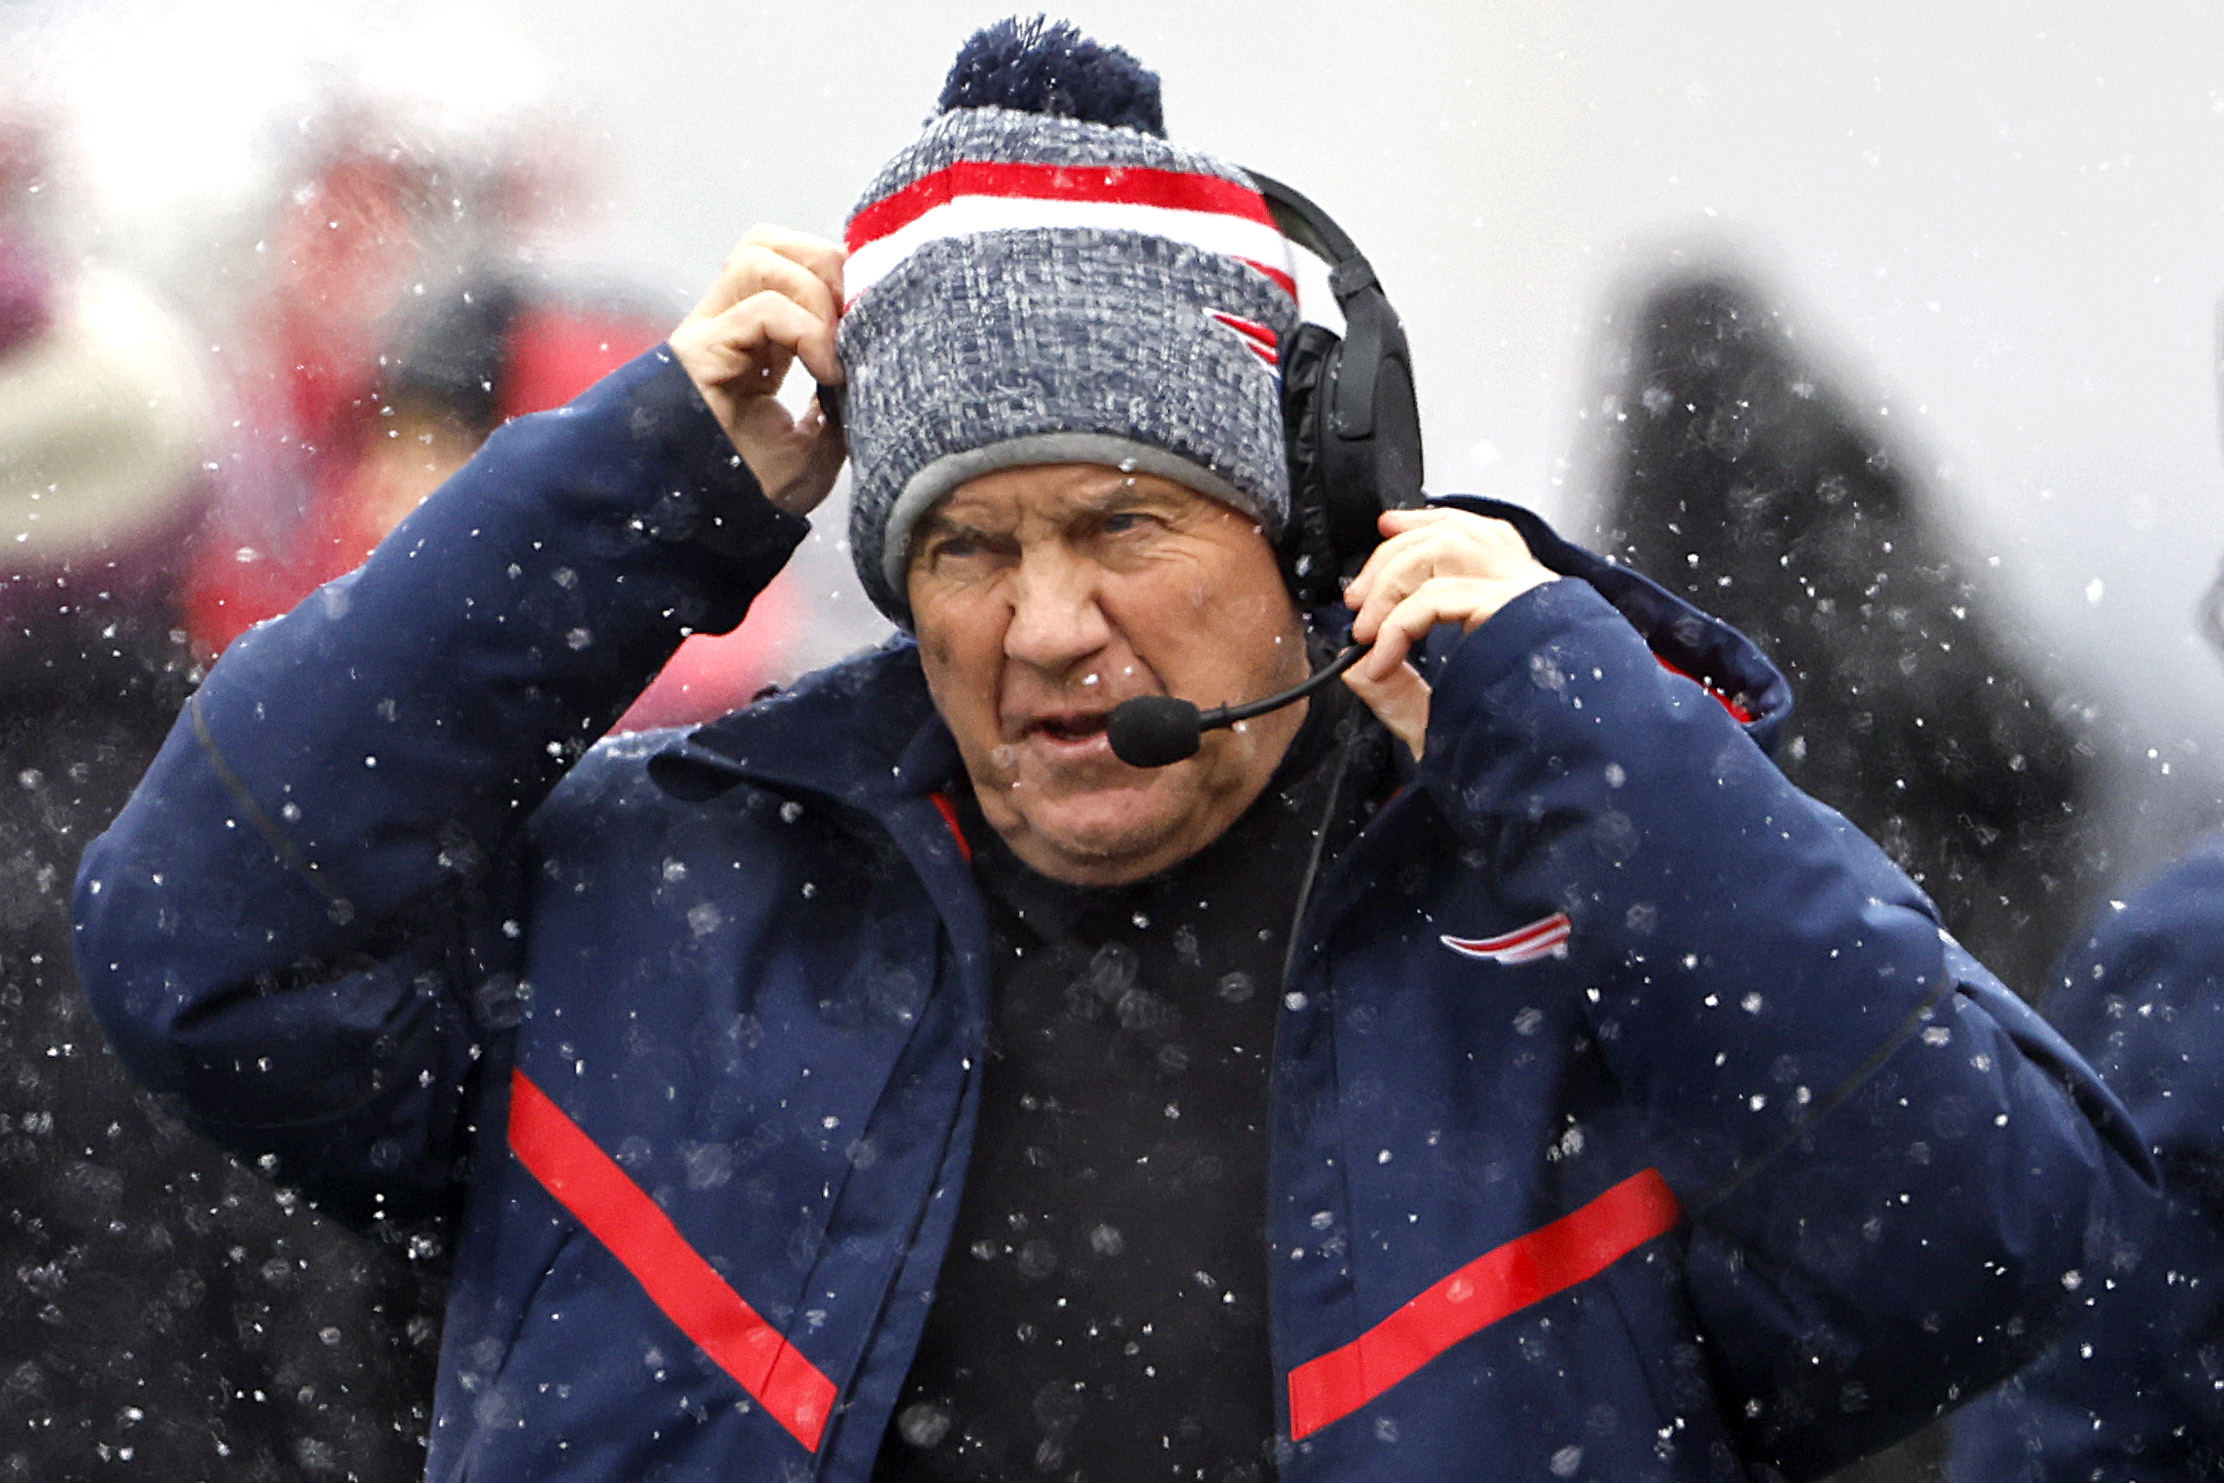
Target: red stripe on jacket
<point>1529,1269</point>
<point>620,1214</point>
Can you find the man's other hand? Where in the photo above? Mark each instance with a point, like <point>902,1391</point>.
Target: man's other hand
<point>777,300</point>
<point>1433,566</point>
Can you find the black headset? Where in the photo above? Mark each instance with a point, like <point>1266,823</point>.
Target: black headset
<point>1350,422</point>
<point>1348,411</point>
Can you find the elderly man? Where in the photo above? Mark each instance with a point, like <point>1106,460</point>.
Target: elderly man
<point>1489,1069</point>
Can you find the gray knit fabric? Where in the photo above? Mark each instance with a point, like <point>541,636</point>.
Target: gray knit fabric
<point>1025,347</point>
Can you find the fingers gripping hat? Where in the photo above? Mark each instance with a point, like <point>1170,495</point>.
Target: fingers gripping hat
<point>1042,278</point>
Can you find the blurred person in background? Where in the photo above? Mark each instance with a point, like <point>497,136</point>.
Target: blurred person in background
<point>166,1312</point>
<point>1745,473</point>
<point>501,348</point>
<point>398,325</point>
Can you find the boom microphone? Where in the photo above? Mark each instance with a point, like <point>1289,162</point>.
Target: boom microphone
<point>1157,730</point>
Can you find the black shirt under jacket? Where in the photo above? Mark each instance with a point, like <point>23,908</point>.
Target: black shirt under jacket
<point>1101,1314</point>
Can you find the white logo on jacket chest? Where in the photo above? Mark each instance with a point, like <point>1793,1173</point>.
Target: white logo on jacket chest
<point>1547,937</point>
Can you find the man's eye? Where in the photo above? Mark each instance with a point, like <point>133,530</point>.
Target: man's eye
<point>1120,522</point>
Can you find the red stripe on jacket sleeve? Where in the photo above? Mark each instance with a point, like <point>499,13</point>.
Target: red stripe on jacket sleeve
<point>1550,1259</point>
<point>620,1214</point>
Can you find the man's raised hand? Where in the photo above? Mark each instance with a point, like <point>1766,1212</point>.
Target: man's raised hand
<point>777,300</point>
<point>1433,566</point>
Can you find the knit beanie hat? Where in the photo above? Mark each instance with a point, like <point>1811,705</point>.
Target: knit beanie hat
<point>1042,278</point>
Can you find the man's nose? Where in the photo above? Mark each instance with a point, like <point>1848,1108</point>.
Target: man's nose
<point>1057,618</point>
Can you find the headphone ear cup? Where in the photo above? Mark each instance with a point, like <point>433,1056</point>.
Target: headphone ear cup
<point>1308,549</point>
<point>1353,467</point>
<point>1354,451</point>
<point>1393,451</point>
<point>1348,412</point>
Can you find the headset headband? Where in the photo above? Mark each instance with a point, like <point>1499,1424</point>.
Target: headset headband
<point>1348,409</point>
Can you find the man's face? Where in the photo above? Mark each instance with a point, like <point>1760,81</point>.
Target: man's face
<point>1043,597</point>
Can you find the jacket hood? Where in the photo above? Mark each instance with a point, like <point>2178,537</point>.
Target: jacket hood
<point>1693,643</point>
<point>810,737</point>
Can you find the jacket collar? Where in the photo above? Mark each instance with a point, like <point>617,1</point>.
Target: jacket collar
<point>817,737</point>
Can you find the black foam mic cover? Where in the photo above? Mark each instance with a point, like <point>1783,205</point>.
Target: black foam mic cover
<point>1158,730</point>
<point>1154,731</point>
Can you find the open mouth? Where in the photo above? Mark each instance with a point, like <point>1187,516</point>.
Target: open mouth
<point>1075,727</point>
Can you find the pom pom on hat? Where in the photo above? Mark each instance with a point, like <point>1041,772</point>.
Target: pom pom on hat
<point>1037,65</point>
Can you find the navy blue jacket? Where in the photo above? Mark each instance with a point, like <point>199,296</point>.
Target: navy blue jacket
<point>2135,1388</point>
<point>1633,1117</point>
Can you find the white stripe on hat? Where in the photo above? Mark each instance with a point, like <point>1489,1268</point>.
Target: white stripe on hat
<point>1252,243</point>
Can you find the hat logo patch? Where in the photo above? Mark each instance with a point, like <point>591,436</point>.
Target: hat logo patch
<point>1259,339</point>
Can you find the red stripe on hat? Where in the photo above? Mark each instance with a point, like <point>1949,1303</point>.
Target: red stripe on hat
<point>1550,1259</point>
<point>1179,190</point>
<point>620,1214</point>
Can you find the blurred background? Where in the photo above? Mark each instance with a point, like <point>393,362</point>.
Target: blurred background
<point>1892,337</point>
<point>1995,228</point>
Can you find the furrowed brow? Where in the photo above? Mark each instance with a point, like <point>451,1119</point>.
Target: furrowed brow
<point>935,524</point>
<point>1128,495</point>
